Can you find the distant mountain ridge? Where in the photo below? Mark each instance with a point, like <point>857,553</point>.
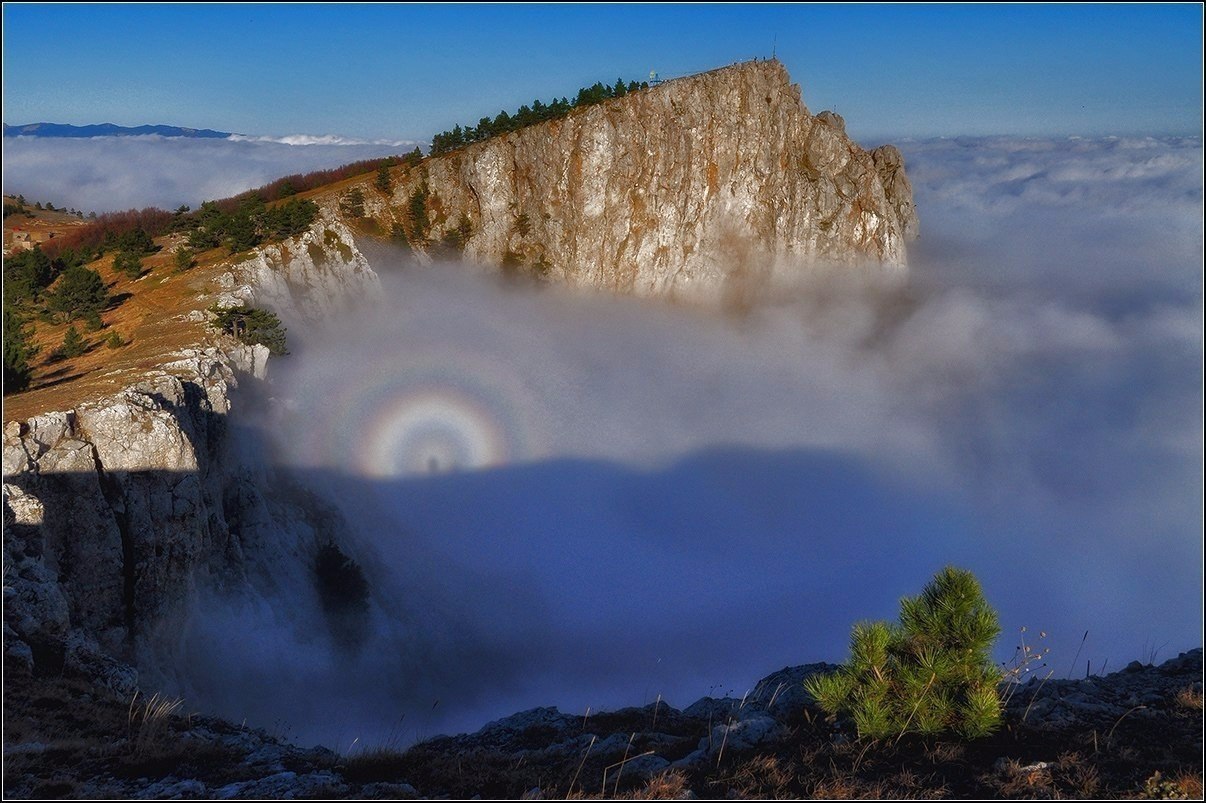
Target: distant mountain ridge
<point>60,130</point>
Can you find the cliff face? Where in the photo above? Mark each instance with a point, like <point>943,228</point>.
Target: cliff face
<point>308,278</point>
<point>671,191</point>
<point>116,511</point>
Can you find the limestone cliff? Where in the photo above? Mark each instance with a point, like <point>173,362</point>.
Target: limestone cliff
<point>117,509</point>
<point>674,190</point>
<point>309,277</point>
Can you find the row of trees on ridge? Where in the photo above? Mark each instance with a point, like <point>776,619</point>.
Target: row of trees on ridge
<point>525,116</point>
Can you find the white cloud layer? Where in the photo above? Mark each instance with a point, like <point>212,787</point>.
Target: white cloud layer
<point>1112,220</point>
<point>106,174</point>
<point>323,139</point>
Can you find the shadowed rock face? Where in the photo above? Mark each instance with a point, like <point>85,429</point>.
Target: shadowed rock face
<point>671,191</point>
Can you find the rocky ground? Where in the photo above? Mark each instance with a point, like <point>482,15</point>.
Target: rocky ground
<point>1135,733</point>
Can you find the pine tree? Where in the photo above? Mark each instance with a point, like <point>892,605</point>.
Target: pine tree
<point>397,236</point>
<point>352,203</point>
<point>417,212</point>
<point>384,182</point>
<point>930,673</point>
<point>127,262</point>
<point>73,345</point>
<point>241,231</point>
<point>253,325</point>
<point>78,292</point>
<point>26,274</point>
<point>184,258</point>
<point>17,352</point>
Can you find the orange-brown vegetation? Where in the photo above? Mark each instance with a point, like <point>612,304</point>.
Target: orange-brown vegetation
<point>149,315</point>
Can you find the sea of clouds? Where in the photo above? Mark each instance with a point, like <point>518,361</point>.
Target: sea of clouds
<point>571,499</point>
<point>107,174</point>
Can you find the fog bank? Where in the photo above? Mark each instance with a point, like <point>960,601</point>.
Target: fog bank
<point>106,174</point>
<point>571,499</point>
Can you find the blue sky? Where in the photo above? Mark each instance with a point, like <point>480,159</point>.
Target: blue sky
<point>406,71</point>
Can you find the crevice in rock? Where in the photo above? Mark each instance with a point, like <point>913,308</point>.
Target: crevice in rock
<point>114,495</point>
<point>49,657</point>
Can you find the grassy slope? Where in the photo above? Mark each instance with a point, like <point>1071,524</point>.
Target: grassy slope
<point>149,313</point>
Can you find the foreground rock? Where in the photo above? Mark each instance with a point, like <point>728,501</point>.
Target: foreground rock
<point>771,743</point>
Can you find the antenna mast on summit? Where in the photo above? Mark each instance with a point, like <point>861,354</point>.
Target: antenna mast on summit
<point>774,45</point>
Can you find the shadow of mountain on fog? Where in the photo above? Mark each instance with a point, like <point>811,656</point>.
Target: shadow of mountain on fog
<point>581,582</point>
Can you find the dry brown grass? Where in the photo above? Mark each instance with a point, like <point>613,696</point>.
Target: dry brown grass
<point>667,786</point>
<point>1190,784</point>
<point>148,720</point>
<point>1181,786</point>
<point>150,319</point>
<point>944,752</point>
<point>374,764</point>
<point>1190,697</point>
<point>1020,780</point>
<point>761,777</point>
<point>1076,772</point>
<point>848,789</point>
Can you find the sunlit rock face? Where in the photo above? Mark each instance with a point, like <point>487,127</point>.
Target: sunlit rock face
<point>671,191</point>
<point>314,276</point>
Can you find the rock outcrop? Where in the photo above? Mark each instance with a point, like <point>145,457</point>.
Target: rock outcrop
<point>308,278</point>
<point>677,190</point>
<point>115,511</point>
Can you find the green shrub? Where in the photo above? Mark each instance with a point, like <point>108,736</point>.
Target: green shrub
<point>512,262</point>
<point>352,203</point>
<point>383,181</point>
<point>184,258</point>
<point>73,345</point>
<point>397,236</point>
<point>931,673</point>
<point>129,263</point>
<point>452,244</point>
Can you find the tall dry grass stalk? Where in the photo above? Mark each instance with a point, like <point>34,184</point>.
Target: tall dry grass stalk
<point>147,722</point>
